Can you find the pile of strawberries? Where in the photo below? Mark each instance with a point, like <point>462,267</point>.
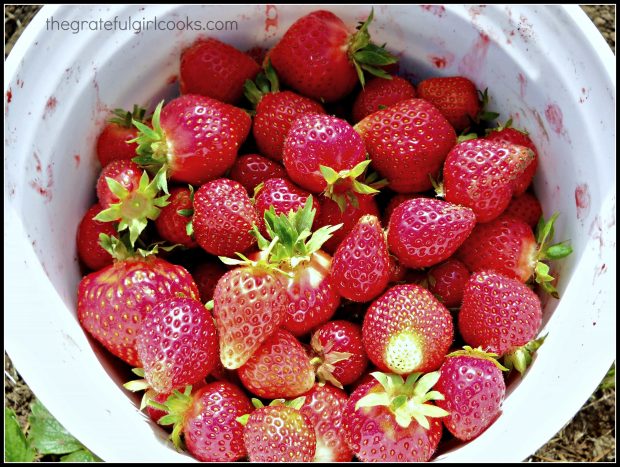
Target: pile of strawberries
<point>360,278</point>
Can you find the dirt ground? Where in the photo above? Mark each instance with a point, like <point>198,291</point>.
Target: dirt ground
<point>589,437</point>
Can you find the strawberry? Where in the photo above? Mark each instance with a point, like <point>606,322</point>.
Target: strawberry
<point>525,207</point>
<point>407,143</point>
<point>211,68</point>
<point>279,368</point>
<point>447,280</point>
<point>194,137</point>
<point>324,406</point>
<point>253,169</point>
<point>361,264</point>
<point>480,174</point>
<point>249,305</point>
<point>423,231</point>
<point>507,134</point>
<point>172,221</point>
<point>284,196</point>
<point>502,316</point>
<point>177,344</point>
<point>113,301</point>
<point>128,197</point>
<point>157,397</point>
<point>206,274</point>
<point>407,329</point>
<point>312,297</point>
<point>278,432</point>
<point>112,142</point>
<point>223,217</point>
<point>473,387</point>
<point>89,229</point>
<point>508,246</point>
<point>456,98</point>
<point>338,352</point>
<point>315,141</point>
<point>207,418</point>
<point>392,420</point>
<point>319,58</point>
<point>275,111</point>
<point>331,214</point>
<point>380,94</point>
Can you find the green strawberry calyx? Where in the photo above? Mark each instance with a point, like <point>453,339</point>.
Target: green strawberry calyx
<point>153,149</point>
<point>484,115</point>
<point>266,82</point>
<point>349,178</point>
<point>544,232</point>
<point>408,399</point>
<point>292,240</point>
<point>176,406</point>
<point>520,358</point>
<point>135,208</point>
<point>478,352</point>
<point>121,250</point>
<point>366,56</point>
<point>125,118</point>
<point>325,360</point>
<point>296,404</point>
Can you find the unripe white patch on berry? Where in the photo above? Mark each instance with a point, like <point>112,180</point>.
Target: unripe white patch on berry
<point>403,353</point>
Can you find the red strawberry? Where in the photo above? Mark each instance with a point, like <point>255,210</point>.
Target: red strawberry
<point>223,217</point>
<point>207,418</point>
<point>159,398</point>
<point>331,214</point>
<point>456,98</point>
<point>284,196</point>
<point>177,344</point>
<point>113,301</point>
<point>214,69</point>
<point>128,197</point>
<point>390,420</point>
<point>316,140</point>
<point>312,297</point>
<point>507,134</point>
<point>508,246</point>
<point>279,368</point>
<point>252,169</point>
<point>90,251</point>
<point>339,352</point>
<point>380,94</point>
<point>206,275</point>
<point>407,329</point>
<point>250,304</point>
<point>480,174</point>
<point>447,280</point>
<point>424,231</point>
<point>473,387</point>
<point>361,264</point>
<point>279,433</point>
<point>275,111</point>
<point>112,141</point>
<point>324,406</point>
<point>525,207</point>
<point>173,218</point>
<point>500,315</point>
<point>195,137</point>
<point>319,58</point>
<point>407,143</point>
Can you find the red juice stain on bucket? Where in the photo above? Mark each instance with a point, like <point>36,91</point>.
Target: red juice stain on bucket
<point>472,63</point>
<point>582,200</point>
<point>50,106</point>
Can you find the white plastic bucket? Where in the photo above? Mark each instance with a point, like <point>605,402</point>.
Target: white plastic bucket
<point>546,66</point>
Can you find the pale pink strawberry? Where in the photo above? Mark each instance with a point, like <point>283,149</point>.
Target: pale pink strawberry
<point>324,406</point>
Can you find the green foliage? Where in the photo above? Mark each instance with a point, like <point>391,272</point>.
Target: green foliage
<point>46,439</point>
